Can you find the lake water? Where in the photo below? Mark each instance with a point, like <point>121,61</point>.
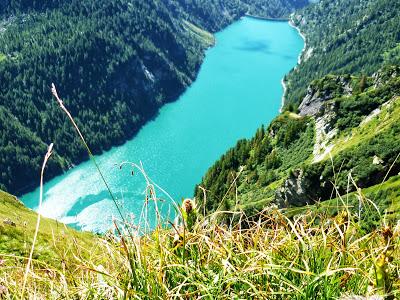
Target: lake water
<point>238,89</point>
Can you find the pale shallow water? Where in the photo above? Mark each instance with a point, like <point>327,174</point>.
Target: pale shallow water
<point>238,89</point>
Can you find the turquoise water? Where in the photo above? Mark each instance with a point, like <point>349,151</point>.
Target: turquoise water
<point>238,89</point>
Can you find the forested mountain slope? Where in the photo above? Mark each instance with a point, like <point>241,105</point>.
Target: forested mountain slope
<point>344,132</point>
<point>114,63</point>
<point>345,37</point>
<point>273,8</point>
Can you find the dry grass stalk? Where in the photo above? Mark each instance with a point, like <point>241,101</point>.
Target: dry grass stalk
<point>46,158</point>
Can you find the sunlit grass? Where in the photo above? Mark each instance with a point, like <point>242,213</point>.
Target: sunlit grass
<point>311,256</point>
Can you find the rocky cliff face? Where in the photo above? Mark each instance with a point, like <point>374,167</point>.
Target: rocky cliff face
<point>383,76</point>
<point>343,109</point>
<point>293,192</point>
<point>323,90</point>
<point>297,189</point>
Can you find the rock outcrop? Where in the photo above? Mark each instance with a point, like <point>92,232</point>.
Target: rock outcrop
<point>382,76</point>
<point>293,192</point>
<point>323,90</point>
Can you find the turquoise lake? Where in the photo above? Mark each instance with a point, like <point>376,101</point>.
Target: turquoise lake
<point>237,90</point>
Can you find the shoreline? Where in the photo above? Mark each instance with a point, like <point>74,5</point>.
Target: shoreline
<point>299,61</point>
<point>291,24</point>
<point>266,18</point>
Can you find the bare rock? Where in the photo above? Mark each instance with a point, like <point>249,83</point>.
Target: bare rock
<point>293,191</point>
<point>323,90</point>
<point>384,75</point>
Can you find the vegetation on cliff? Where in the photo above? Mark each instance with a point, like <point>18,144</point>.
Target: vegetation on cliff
<point>273,8</point>
<point>340,128</point>
<point>344,37</point>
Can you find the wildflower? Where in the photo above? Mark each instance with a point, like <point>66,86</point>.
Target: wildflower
<point>188,205</point>
<point>189,213</point>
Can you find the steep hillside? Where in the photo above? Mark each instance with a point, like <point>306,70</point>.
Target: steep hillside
<point>55,241</point>
<point>114,62</point>
<point>344,137</point>
<point>338,132</point>
<point>344,37</point>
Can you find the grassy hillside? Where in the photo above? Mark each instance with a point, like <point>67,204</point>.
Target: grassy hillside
<point>313,256</point>
<point>55,241</point>
<point>361,203</point>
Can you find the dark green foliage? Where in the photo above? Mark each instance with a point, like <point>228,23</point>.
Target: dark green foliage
<point>347,37</point>
<point>273,8</point>
<point>115,63</point>
<point>22,143</point>
<point>272,160</point>
<point>220,175</point>
<point>288,130</point>
<point>23,6</point>
<point>351,110</point>
<point>265,158</point>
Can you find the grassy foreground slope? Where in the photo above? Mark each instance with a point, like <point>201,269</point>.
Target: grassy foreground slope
<point>55,241</point>
<point>312,256</point>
